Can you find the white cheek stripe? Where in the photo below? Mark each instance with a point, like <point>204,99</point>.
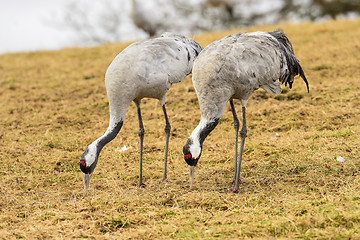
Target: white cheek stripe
<point>90,157</point>
<point>195,148</point>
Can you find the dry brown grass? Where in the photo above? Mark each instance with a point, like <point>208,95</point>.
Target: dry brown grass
<point>53,104</point>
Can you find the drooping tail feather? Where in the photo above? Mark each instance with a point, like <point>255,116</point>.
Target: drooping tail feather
<point>291,61</point>
<point>302,75</point>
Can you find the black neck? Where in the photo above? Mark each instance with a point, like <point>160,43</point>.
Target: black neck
<point>109,136</point>
<point>207,129</point>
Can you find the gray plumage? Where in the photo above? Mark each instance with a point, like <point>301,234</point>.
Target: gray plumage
<point>233,68</point>
<point>144,69</point>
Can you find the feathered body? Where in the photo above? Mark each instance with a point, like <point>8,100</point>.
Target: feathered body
<point>236,65</point>
<point>148,68</point>
<point>144,69</point>
<point>233,68</point>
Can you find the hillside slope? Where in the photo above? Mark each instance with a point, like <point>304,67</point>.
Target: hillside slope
<point>53,104</point>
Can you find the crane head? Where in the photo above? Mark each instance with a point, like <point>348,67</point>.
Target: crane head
<point>192,152</point>
<point>88,161</point>
<point>190,159</point>
<point>193,147</point>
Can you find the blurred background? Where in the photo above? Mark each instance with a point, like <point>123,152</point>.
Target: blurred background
<point>29,25</point>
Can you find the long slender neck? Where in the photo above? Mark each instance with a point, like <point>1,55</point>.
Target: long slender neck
<point>109,135</point>
<point>204,128</point>
<point>89,158</point>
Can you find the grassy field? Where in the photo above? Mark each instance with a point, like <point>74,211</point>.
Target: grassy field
<point>53,104</point>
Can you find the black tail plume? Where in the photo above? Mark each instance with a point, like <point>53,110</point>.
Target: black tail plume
<point>302,75</point>
<point>291,61</point>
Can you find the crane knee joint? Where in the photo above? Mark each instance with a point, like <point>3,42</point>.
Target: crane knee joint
<point>236,124</point>
<point>167,128</point>
<point>141,132</point>
<point>243,132</point>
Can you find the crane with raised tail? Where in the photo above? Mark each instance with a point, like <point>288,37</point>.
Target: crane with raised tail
<point>233,68</point>
<point>144,69</point>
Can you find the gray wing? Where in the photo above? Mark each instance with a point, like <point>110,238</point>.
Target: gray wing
<point>259,60</point>
<point>249,60</point>
<point>163,57</point>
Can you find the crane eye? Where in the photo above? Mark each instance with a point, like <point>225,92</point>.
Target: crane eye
<point>187,156</point>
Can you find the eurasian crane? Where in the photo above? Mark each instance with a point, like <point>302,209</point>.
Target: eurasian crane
<point>144,69</point>
<point>233,68</point>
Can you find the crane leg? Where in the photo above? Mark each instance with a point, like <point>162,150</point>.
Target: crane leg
<point>141,135</point>
<point>243,132</point>
<point>236,127</point>
<point>167,133</point>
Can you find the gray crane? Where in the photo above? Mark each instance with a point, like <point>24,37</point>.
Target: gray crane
<point>233,68</point>
<point>144,69</point>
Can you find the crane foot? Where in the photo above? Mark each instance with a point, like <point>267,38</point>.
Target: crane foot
<point>232,189</point>
<point>235,191</point>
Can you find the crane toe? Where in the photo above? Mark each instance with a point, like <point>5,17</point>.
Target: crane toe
<point>233,186</point>
<point>141,185</point>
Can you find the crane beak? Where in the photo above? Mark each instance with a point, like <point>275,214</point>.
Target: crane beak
<point>87,177</point>
<point>191,172</point>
